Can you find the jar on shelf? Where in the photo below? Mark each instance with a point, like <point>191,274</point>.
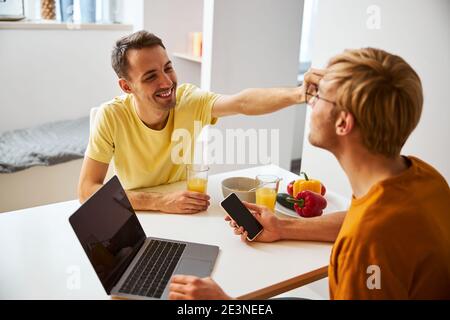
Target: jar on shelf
<point>48,9</point>
<point>111,11</point>
<point>66,8</point>
<point>88,11</point>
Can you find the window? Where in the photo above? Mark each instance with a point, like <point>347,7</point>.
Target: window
<point>309,11</point>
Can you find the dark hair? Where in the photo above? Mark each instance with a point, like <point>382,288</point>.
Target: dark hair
<point>138,40</point>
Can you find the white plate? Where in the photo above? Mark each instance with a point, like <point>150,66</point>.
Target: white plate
<point>288,212</point>
<point>334,203</point>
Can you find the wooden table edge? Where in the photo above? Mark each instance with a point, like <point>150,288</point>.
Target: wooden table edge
<point>286,285</point>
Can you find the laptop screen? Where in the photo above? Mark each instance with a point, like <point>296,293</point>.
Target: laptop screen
<point>109,231</point>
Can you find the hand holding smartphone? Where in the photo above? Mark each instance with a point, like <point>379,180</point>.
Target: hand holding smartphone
<point>243,217</point>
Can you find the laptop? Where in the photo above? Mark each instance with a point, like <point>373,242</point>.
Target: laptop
<point>129,264</point>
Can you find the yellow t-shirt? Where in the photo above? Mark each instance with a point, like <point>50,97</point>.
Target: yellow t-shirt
<point>395,241</point>
<point>143,156</point>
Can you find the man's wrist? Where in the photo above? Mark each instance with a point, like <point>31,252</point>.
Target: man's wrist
<point>160,202</point>
<point>152,201</point>
<point>299,95</point>
<point>290,229</point>
<point>282,227</point>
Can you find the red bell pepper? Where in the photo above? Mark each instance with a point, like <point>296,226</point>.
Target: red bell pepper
<point>290,188</point>
<point>308,204</point>
<point>323,190</point>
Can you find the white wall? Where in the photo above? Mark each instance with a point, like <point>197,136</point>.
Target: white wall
<point>25,189</point>
<point>172,21</point>
<point>418,31</point>
<point>132,13</point>
<point>254,43</point>
<point>49,75</point>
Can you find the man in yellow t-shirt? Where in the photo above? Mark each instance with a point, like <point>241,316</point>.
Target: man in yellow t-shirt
<point>136,130</point>
<point>394,240</point>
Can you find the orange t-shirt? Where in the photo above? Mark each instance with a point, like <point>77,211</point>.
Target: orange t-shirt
<point>395,241</point>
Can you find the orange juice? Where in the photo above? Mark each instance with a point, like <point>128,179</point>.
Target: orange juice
<point>266,197</point>
<point>197,185</point>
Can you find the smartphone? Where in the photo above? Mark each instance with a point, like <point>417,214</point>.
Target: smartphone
<point>244,218</point>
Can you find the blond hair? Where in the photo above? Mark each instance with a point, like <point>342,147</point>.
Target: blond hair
<point>383,93</point>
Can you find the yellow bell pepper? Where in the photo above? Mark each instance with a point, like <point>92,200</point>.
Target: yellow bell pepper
<point>307,184</point>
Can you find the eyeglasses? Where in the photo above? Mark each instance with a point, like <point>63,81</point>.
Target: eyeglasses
<point>312,96</point>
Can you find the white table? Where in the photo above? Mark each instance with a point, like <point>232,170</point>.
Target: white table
<point>41,258</point>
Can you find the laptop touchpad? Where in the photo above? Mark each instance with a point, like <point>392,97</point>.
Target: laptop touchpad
<point>200,268</point>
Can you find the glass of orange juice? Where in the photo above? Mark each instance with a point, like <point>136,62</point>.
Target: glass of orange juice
<point>266,192</point>
<point>197,178</point>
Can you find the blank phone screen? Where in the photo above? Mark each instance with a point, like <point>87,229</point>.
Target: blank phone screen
<point>239,213</point>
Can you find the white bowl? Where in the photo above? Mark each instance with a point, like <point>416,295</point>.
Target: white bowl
<point>240,186</point>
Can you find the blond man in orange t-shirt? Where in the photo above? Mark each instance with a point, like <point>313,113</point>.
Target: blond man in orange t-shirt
<point>394,240</point>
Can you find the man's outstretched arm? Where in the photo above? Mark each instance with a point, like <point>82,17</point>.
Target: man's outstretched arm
<point>263,101</point>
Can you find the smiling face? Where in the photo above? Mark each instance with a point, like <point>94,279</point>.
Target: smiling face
<point>151,78</point>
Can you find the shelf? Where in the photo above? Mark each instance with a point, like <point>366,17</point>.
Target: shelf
<point>57,25</point>
<point>188,57</point>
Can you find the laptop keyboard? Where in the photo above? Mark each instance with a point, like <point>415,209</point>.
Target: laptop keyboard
<point>154,269</point>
